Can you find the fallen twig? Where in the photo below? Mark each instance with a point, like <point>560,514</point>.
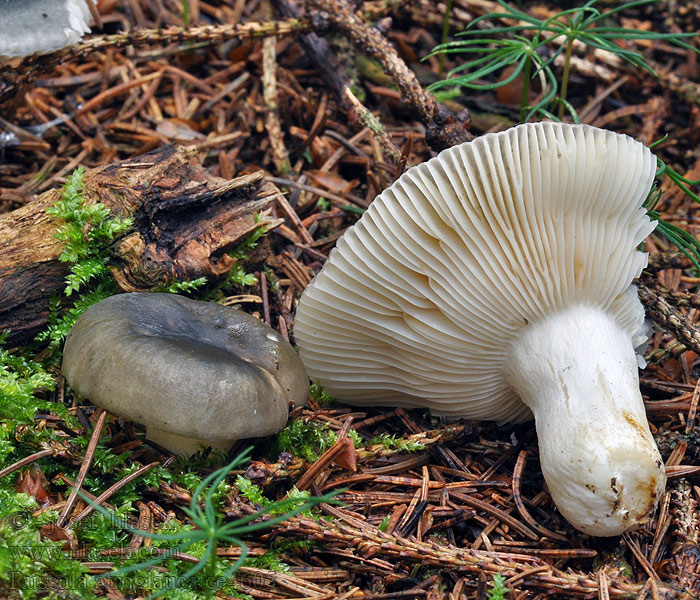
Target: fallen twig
<point>443,129</point>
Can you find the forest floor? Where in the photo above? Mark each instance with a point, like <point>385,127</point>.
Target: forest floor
<point>432,510</point>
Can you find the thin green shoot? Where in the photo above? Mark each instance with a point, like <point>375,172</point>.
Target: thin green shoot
<point>498,589</point>
<point>525,44</point>
<point>684,241</point>
<point>210,528</point>
<point>353,209</point>
<point>445,32</point>
<point>186,13</point>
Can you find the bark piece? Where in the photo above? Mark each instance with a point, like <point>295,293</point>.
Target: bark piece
<point>185,221</point>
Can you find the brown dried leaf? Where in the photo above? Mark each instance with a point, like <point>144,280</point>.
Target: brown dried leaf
<point>332,182</point>
<point>179,130</point>
<point>34,483</point>
<point>347,459</point>
<point>53,532</point>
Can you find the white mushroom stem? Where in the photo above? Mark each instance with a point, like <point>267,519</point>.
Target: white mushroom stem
<point>577,372</point>
<point>181,445</point>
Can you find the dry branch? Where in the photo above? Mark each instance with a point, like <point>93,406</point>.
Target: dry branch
<point>203,35</point>
<point>685,564</point>
<point>443,128</point>
<point>669,317</point>
<point>331,72</point>
<point>360,539</point>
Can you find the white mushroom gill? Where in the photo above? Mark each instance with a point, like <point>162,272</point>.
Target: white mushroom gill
<point>493,282</point>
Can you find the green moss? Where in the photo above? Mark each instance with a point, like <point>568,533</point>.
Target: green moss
<point>317,393</point>
<point>86,233</point>
<point>21,379</point>
<point>306,439</point>
<point>498,589</point>
<point>31,567</point>
<point>251,492</point>
<point>391,442</point>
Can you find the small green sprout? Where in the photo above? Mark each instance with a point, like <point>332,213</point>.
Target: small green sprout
<point>523,46</point>
<point>210,529</point>
<point>391,442</point>
<point>688,244</point>
<point>384,524</point>
<point>498,590</point>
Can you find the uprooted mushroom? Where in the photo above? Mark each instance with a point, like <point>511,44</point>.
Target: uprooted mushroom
<point>494,282</point>
<point>195,373</point>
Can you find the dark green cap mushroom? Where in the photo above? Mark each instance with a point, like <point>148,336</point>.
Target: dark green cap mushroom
<point>195,373</point>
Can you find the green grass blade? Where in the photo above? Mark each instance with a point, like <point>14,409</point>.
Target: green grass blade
<point>170,537</point>
<point>629,56</point>
<point>171,552</point>
<point>239,562</point>
<point>680,238</point>
<point>495,30</point>
<point>300,505</point>
<point>571,110</point>
<point>580,10</point>
<point>509,15</point>
<point>622,7</point>
<point>466,80</point>
<point>680,182</point>
<point>470,64</point>
<point>462,45</point>
<point>553,89</point>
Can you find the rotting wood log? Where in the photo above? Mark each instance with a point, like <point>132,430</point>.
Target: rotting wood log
<point>185,222</point>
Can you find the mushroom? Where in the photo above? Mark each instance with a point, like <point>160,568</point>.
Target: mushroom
<point>494,282</point>
<point>29,26</point>
<point>195,373</point>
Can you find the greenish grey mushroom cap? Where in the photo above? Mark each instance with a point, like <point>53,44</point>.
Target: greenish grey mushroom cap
<point>29,26</point>
<point>195,373</point>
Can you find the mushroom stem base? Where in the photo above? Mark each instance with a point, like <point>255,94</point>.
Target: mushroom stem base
<point>577,371</point>
<point>178,444</point>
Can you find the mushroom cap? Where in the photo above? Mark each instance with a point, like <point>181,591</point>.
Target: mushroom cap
<point>194,369</point>
<point>420,300</point>
<point>29,26</point>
